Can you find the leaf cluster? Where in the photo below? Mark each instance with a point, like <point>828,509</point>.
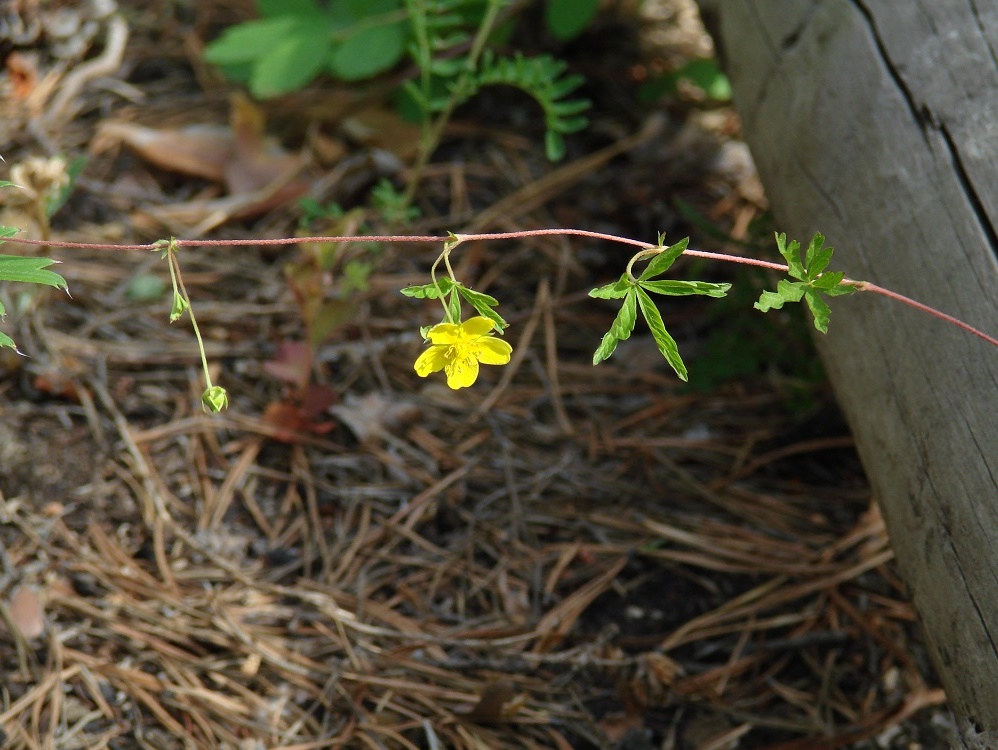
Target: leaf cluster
<point>544,79</point>
<point>296,40</point>
<point>811,280</point>
<point>452,292</point>
<point>636,295</point>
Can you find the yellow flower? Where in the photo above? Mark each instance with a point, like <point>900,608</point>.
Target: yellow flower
<point>457,350</point>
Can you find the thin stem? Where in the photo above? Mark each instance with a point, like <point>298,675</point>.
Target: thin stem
<point>431,136</point>
<point>640,256</point>
<point>862,285</point>
<point>867,286</point>
<point>179,282</point>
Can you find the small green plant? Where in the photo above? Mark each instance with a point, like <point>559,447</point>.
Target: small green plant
<point>353,40</point>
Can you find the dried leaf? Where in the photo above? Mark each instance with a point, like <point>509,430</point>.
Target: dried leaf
<point>292,364</point>
<point>374,414</point>
<point>22,72</point>
<point>27,612</point>
<point>292,420</point>
<point>196,150</point>
<point>256,161</point>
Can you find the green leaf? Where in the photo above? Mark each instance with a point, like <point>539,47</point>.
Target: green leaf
<point>428,291</point>
<point>769,301</point>
<point>791,254</point>
<point>838,291</point>
<point>620,329</point>
<point>7,232</point>
<point>368,52</point>
<point>666,344</point>
<point>30,271</point>
<point>570,108</point>
<point>678,288</point>
<point>819,309</point>
<point>292,61</point>
<point>664,260</point>
<point>827,282</point>
<point>250,41</point>
<point>616,290</point>
<point>454,307</point>
<point>554,145</point>
<point>7,341</point>
<point>483,305</point>
<point>786,291</point>
<point>817,257</point>
<point>566,19</point>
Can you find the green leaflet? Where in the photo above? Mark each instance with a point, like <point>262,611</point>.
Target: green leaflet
<point>616,290</point>
<point>664,260</point>
<point>429,291</point>
<point>621,328</point>
<point>666,344</point>
<point>483,304</point>
<point>681,288</point>
<point>30,270</point>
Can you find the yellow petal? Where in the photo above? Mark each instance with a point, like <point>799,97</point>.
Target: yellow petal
<point>444,333</point>
<point>432,360</point>
<point>478,326</point>
<point>492,351</point>
<point>461,372</point>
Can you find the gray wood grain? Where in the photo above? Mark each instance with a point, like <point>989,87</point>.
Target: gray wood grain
<point>876,123</point>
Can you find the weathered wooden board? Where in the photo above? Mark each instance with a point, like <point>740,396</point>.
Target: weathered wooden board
<point>876,122</point>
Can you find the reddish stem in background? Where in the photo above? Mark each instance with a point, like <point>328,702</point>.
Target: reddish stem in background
<point>865,286</point>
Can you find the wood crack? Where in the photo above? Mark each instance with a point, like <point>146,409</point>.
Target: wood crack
<point>921,113</point>
<point>976,204</point>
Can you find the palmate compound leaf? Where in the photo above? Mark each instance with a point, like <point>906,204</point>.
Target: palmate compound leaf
<point>666,344</point>
<point>813,281</point>
<point>621,328</point>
